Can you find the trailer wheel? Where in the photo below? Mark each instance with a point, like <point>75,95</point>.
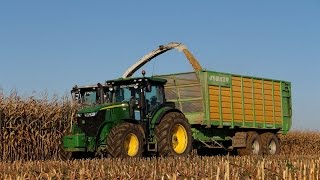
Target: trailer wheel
<point>173,134</point>
<point>253,146</point>
<point>125,140</point>
<point>270,142</point>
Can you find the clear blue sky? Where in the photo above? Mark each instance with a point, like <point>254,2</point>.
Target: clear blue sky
<point>53,45</point>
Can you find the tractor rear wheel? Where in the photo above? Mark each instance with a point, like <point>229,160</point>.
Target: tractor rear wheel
<point>253,146</point>
<point>270,142</point>
<point>125,140</point>
<point>173,134</point>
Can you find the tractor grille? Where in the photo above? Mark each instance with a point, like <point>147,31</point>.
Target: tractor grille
<point>91,125</point>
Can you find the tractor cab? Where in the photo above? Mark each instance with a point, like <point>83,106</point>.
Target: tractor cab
<point>144,95</point>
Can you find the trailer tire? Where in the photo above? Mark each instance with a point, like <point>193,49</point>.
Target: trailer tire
<point>270,142</point>
<point>253,145</point>
<point>125,140</point>
<point>173,135</point>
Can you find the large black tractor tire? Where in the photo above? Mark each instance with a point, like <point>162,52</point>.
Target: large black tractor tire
<point>174,136</point>
<point>270,142</point>
<point>254,145</point>
<point>125,140</point>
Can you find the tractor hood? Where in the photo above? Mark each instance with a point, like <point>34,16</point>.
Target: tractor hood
<point>99,107</point>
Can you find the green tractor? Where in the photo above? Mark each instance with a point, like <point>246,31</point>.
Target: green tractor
<point>128,117</point>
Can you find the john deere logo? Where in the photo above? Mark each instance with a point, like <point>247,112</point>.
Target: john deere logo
<point>219,79</point>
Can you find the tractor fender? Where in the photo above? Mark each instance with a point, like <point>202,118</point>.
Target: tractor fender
<point>103,132</point>
<point>156,118</point>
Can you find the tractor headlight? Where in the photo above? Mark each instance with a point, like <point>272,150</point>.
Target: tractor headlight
<point>92,114</point>
<point>78,115</point>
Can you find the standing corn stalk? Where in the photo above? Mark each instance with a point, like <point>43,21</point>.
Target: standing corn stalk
<point>31,128</point>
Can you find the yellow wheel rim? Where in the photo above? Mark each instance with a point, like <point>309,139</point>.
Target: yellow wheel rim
<point>179,139</point>
<point>131,145</point>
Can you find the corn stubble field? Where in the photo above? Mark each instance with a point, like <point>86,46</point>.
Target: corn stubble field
<point>31,130</point>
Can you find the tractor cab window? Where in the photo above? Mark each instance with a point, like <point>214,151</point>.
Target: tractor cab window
<point>86,97</point>
<point>126,94</point>
<point>90,97</point>
<point>154,98</point>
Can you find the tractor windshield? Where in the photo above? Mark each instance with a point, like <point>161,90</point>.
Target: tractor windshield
<point>125,93</point>
<point>153,96</point>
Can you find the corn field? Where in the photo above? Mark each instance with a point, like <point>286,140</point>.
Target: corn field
<point>31,129</point>
<point>247,167</point>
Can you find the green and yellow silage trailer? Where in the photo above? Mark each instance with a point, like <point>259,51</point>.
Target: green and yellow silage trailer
<point>231,109</point>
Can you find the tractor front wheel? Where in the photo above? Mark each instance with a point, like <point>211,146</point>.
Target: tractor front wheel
<point>125,140</point>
